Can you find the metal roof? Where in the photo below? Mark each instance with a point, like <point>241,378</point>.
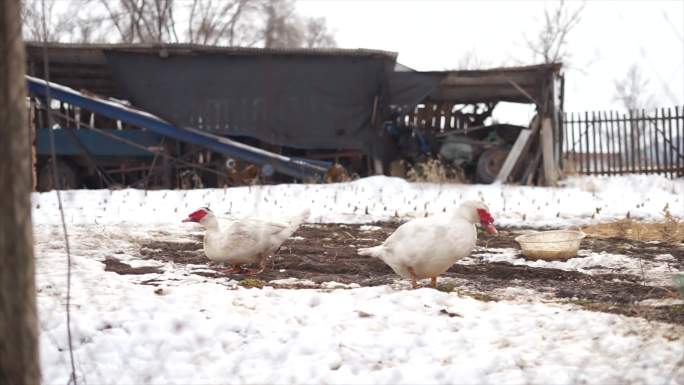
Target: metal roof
<point>524,84</point>
<point>85,67</point>
<point>183,48</point>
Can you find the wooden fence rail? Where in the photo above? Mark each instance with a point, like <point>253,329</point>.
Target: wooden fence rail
<point>612,143</point>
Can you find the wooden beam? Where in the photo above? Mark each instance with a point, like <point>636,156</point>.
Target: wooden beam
<point>532,168</point>
<point>513,157</point>
<point>534,128</point>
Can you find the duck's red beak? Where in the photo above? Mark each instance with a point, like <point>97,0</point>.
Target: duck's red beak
<point>491,229</point>
<point>187,220</point>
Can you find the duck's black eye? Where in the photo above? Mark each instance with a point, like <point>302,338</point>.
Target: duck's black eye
<point>206,208</point>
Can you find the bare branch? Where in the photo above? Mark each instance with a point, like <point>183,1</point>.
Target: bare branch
<point>550,44</point>
<point>270,23</point>
<point>316,34</point>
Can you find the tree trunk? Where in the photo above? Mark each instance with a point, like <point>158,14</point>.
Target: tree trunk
<point>19,362</point>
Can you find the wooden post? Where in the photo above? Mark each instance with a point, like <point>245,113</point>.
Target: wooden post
<point>550,172</point>
<point>19,363</point>
<point>667,138</point>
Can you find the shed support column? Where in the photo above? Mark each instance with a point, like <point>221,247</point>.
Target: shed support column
<point>377,166</point>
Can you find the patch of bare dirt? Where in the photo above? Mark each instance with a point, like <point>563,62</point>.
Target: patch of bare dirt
<point>327,252</point>
<point>115,265</point>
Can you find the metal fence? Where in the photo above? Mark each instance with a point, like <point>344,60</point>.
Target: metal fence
<point>612,143</point>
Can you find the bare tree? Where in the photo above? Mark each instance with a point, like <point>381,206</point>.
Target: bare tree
<point>550,44</point>
<point>282,28</point>
<point>632,90</point>
<point>19,363</point>
<point>472,61</point>
<point>59,25</point>
<point>229,22</point>
<point>316,34</point>
<point>143,21</point>
<point>267,23</point>
<point>75,21</point>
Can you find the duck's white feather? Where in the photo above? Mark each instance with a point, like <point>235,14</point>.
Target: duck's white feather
<point>247,240</point>
<point>428,245</point>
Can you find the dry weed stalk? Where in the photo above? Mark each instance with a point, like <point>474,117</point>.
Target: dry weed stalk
<point>670,230</point>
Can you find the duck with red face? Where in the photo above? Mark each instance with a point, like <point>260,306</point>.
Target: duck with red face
<point>427,247</point>
<point>486,221</point>
<point>243,241</point>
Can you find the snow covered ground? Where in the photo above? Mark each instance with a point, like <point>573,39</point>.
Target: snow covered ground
<point>197,330</point>
<point>381,198</point>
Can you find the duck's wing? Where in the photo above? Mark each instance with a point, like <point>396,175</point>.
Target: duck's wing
<point>251,233</point>
<point>261,226</point>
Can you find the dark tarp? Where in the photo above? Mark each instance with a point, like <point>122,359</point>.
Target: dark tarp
<point>301,101</point>
<point>408,88</point>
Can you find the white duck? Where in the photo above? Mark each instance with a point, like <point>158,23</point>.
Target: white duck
<point>243,241</point>
<point>427,247</point>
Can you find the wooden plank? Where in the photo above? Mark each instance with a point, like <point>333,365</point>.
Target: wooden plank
<point>626,142</point>
<point>601,150</point>
<point>580,135</point>
<point>532,168</point>
<point>617,142</point>
<point>609,143</point>
<point>654,146</point>
<point>534,128</point>
<point>643,146</point>
<point>587,158</point>
<point>549,163</point>
<point>641,131</point>
<point>668,151</point>
<point>572,136</point>
<point>633,139</point>
<point>593,140</point>
<point>513,157</point>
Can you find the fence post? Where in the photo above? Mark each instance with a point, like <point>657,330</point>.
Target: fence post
<point>669,164</point>
<point>655,148</point>
<point>679,118</point>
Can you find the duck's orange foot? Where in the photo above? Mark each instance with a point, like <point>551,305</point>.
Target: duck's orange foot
<point>262,267</point>
<point>253,271</point>
<point>234,269</point>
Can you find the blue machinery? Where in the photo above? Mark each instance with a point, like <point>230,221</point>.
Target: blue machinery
<point>297,168</point>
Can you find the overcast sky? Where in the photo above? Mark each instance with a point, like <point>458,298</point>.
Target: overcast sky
<point>611,36</point>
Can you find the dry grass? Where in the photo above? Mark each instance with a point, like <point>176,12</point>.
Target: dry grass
<point>434,171</point>
<point>569,168</point>
<point>670,230</point>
